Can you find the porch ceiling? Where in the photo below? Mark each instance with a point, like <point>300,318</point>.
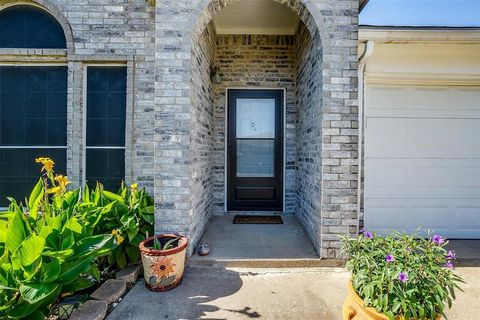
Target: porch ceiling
<point>259,17</point>
<point>256,17</point>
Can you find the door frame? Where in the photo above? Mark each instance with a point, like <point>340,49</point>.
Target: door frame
<point>284,125</point>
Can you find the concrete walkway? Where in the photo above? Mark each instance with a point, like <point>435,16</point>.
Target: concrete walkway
<point>217,293</point>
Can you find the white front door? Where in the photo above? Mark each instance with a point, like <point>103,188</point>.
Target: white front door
<point>422,159</point>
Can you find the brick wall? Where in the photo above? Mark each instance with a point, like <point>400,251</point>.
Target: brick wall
<point>202,135</point>
<point>309,132</point>
<point>255,61</point>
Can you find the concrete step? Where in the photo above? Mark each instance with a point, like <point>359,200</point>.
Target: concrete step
<point>196,261</point>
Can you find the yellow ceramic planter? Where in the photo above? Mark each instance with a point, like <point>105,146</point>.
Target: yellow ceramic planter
<point>353,308</point>
<point>163,269</point>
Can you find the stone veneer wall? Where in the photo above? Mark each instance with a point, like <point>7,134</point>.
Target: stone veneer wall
<point>202,135</point>
<point>255,61</point>
<point>309,132</point>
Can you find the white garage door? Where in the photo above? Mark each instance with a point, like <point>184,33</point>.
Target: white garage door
<point>422,159</point>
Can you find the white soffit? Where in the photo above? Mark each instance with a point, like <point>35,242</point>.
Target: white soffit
<point>256,17</point>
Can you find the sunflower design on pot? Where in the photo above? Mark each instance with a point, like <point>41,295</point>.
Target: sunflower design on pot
<point>162,267</point>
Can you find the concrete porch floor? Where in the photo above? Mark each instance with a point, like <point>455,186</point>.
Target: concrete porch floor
<point>257,245</point>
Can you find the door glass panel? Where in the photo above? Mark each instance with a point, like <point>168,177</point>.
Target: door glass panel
<point>256,118</point>
<point>255,158</point>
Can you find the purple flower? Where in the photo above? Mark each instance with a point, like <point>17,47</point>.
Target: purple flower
<point>362,230</point>
<point>449,264</point>
<point>403,277</point>
<point>451,255</point>
<point>389,258</point>
<point>438,240</point>
<point>368,235</point>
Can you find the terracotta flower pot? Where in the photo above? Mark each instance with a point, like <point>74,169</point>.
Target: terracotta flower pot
<point>353,308</point>
<point>163,269</point>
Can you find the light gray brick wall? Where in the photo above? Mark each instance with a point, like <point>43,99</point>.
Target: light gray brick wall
<point>202,135</point>
<point>255,61</point>
<point>309,132</point>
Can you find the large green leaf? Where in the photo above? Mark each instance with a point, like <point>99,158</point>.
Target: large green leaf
<point>35,292</point>
<point>62,255</point>
<point>72,270</point>
<point>113,197</point>
<point>94,245</point>
<point>78,285</point>
<point>149,218</point>
<point>30,250</point>
<point>34,199</point>
<point>55,222</point>
<point>3,231</point>
<point>36,315</point>
<point>74,225</point>
<point>45,232</point>
<point>133,253</point>
<point>16,233</point>
<point>68,241</point>
<point>51,271</point>
<point>148,210</point>
<point>24,309</point>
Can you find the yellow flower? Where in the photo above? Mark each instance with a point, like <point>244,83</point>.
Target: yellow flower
<point>47,164</point>
<point>134,187</point>
<point>62,181</point>
<point>117,236</point>
<point>55,190</point>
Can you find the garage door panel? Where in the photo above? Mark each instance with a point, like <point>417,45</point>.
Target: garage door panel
<point>416,178</point>
<point>420,102</point>
<point>446,217</point>
<point>422,159</point>
<point>422,138</point>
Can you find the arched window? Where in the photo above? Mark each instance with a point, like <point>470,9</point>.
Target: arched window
<point>24,26</point>
<point>33,100</point>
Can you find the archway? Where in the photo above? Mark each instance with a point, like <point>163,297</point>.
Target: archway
<point>303,65</point>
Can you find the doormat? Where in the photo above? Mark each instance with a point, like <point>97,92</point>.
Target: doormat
<point>246,219</point>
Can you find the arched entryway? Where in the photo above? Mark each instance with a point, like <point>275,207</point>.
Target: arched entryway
<point>210,60</point>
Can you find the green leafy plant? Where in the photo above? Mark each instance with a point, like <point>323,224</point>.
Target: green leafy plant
<point>46,249</point>
<point>402,276</point>
<point>166,244</point>
<point>130,218</point>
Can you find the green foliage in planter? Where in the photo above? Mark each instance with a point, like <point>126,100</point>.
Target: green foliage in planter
<point>402,275</point>
<point>46,249</point>
<point>130,219</point>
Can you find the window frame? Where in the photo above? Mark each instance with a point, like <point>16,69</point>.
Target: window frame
<point>84,119</point>
<point>25,62</point>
